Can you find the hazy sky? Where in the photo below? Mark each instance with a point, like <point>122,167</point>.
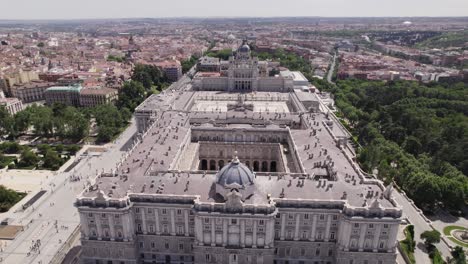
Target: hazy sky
<point>63,9</point>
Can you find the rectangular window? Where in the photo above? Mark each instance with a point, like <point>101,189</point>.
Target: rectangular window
<point>141,244</point>
<point>207,220</point>
<point>261,222</point>
<point>150,211</point>
<point>137,210</point>
<point>166,245</point>
<point>290,216</point>
<point>356,225</point>
<point>153,245</point>
<point>181,246</point>
<point>179,212</point>
<point>335,217</point>
<point>322,217</point>
<point>306,216</point>
<point>208,257</point>
<point>385,226</point>
<point>371,226</point>
<point>234,221</point>
<point>164,211</point>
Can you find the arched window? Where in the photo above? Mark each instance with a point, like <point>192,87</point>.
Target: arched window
<point>273,166</point>
<point>265,166</point>
<point>204,165</point>
<point>221,164</point>
<point>212,165</point>
<point>256,166</point>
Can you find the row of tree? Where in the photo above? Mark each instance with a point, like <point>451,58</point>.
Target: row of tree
<point>412,133</point>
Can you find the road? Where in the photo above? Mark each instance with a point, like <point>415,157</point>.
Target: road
<point>420,225</point>
<point>53,218</point>
<point>332,69</point>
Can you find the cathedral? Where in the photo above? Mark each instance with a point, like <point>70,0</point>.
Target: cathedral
<point>242,73</point>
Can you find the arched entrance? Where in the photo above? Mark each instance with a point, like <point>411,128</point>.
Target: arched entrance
<point>203,164</point>
<point>256,166</point>
<point>212,165</point>
<point>273,166</point>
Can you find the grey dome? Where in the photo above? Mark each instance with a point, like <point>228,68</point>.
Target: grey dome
<point>235,173</point>
<point>244,48</point>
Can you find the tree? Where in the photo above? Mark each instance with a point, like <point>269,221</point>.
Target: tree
<point>6,122</point>
<point>28,158</point>
<point>431,237</point>
<point>131,95</point>
<point>40,44</point>
<point>52,160</point>
<point>105,134</point>
<point>458,255</point>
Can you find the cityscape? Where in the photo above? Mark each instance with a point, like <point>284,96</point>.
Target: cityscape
<point>231,138</point>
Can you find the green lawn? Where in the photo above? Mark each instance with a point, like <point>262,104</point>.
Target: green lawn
<point>449,229</point>
<point>407,252</point>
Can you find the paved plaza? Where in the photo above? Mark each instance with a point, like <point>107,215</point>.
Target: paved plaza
<point>50,221</point>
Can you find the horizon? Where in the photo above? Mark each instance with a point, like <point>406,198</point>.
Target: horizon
<point>140,9</point>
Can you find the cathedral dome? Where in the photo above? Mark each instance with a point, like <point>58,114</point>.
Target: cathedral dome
<point>235,174</point>
<point>244,48</point>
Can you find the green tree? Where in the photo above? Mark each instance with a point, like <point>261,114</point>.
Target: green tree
<point>105,134</point>
<point>52,160</point>
<point>6,122</point>
<point>131,95</point>
<point>28,158</point>
<point>458,256</point>
<point>431,237</point>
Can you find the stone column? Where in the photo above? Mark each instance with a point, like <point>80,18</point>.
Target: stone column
<point>314,227</point>
<point>128,231</point>
<point>296,229</point>
<point>375,243</point>
<point>225,232</point>
<point>186,220</point>
<point>84,225</point>
<point>270,232</point>
<point>213,233</point>
<point>198,230</point>
<point>111,227</point>
<point>254,236</point>
<point>156,220</point>
<point>98,226</point>
<point>392,238</point>
<point>242,232</point>
<point>362,236</point>
<point>327,229</point>
<point>173,231</point>
<point>347,235</point>
<point>283,224</point>
<point>143,220</point>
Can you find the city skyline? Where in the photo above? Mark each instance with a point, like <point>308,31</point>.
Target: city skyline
<point>87,9</point>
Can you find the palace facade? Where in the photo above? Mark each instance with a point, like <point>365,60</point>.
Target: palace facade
<point>249,170</point>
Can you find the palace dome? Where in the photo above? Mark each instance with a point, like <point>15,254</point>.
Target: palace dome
<point>235,173</point>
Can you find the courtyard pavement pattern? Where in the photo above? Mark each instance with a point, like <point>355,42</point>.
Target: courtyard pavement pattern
<point>53,218</point>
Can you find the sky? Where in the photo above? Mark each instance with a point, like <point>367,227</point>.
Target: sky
<point>73,9</point>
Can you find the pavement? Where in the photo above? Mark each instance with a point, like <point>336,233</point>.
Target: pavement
<point>421,224</point>
<point>53,218</point>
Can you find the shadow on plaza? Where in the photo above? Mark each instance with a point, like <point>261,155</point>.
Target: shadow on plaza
<point>446,217</point>
<point>125,147</point>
